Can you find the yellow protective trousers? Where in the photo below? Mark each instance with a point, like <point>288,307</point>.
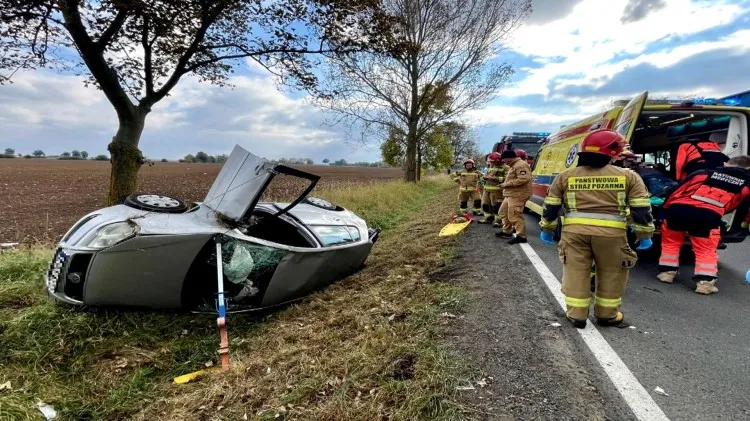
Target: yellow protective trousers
<point>613,258</point>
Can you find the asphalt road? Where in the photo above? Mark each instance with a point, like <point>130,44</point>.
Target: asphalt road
<point>695,347</point>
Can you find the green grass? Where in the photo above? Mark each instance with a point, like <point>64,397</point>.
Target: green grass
<point>365,348</point>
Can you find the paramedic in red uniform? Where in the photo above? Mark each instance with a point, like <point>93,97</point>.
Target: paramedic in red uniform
<point>696,208</point>
<point>694,155</point>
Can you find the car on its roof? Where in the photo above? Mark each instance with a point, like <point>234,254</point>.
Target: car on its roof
<point>154,251</point>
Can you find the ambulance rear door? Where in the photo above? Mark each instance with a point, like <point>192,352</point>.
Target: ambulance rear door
<point>625,124</point>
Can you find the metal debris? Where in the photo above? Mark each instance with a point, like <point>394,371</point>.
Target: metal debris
<point>47,410</point>
<point>6,386</point>
<point>469,387</point>
<point>660,391</point>
<point>555,324</point>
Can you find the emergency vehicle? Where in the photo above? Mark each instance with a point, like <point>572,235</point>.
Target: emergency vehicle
<point>530,142</point>
<point>651,131</point>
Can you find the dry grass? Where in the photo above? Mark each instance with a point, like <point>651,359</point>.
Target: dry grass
<point>363,349</point>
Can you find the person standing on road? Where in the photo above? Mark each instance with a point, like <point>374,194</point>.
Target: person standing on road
<point>492,197</point>
<point>468,187</point>
<point>696,208</point>
<point>516,191</point>
<point>597,198</point>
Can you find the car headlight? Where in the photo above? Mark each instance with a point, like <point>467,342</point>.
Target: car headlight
<point>112,234</point>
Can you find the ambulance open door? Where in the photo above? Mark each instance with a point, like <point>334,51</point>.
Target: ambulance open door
<point>625,124</point>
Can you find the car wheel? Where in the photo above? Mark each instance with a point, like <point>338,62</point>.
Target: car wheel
<point>322,203</point>
<point>156,203</point>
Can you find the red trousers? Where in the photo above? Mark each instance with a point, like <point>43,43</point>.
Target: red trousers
<point>706,256</point>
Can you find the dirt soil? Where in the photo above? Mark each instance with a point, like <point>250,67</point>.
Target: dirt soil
<point>528,368</point>
<point>42,198</point>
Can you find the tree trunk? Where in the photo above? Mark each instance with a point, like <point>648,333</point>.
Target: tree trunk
<point>126,158</point>
<point>411,154</point>
<point>419,164</point>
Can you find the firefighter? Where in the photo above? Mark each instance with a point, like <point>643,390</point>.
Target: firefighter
<point>693,155</point>
<point>516,191</point>
<point>523,155</point>
<point>492,196</point>
<point>696,207</point>
<point>468,182</point>
<point>597,198</point>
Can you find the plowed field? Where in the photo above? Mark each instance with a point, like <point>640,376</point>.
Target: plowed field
<point>41,199</point>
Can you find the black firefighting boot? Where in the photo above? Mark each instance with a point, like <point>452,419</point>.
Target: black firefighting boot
<point>477,207</point>
<point>518,240</point>
<point>464,207</point>
<point>488,217</point>
<point>580,324</point>
<point>613,321</point>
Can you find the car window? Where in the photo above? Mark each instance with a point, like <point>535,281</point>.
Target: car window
<point>331,235</point>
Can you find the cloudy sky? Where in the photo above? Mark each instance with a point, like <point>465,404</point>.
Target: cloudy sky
<point>572,57</point>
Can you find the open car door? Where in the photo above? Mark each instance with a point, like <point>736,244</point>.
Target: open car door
<point>625,124</point>
<point>242,181</point>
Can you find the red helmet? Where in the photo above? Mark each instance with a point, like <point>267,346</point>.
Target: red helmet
<point>521,153</point>
<point>603,142</point>
<point>493,157</point>
<point>469,161</point>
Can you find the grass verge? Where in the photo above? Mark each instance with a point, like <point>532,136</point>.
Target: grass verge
<point>365,348</point>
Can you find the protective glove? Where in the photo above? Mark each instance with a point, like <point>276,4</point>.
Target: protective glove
<point>645,244</point>
<point>547,238</point>
<point>656,201</point>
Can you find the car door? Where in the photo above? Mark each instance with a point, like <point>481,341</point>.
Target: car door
<point>626,122</point>
<point>242,181</point>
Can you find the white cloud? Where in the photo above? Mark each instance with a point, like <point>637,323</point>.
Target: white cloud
<point>592,36</point>
<point>500,114</point>
<point>55,113</point>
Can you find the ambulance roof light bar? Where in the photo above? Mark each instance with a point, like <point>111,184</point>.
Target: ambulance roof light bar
<point>703,101</point>
<point>542,134</point>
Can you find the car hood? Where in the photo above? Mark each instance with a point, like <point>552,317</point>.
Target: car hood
<point>239,185</point>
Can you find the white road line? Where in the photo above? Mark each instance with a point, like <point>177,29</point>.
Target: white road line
<point>638,399</point>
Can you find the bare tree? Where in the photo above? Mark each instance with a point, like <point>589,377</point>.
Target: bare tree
<point>448,64</point>
<point>136,51</point>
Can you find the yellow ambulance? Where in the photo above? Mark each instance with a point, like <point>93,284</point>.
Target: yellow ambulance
<point>652,132</point>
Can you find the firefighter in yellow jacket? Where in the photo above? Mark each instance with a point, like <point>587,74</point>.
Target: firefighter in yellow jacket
<point>492,197</point>
<point>516,192</point>
<point>468,187</point>
<point>597,198</point>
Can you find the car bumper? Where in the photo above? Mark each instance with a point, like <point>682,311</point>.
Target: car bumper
<point>67,274</point>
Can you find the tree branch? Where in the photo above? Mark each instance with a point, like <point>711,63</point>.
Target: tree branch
<point>207,19</point>
<point>147,63</point>
<point>94,59</point>
<point>112,30</point>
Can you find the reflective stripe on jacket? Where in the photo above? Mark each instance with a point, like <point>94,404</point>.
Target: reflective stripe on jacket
<point>721,190</point>
<point>467,180</point>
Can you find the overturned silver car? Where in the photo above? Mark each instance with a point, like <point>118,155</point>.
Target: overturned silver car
<point>155,252</point>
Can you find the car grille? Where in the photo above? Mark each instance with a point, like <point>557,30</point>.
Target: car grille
<point>56,270</point>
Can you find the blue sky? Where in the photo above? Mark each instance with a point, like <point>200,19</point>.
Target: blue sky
<point>572,58</point>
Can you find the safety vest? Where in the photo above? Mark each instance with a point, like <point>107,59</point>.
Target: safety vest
<point>694,156</point>
<point>720,190</point>
<point>468,180</point>
<point>494,184</point>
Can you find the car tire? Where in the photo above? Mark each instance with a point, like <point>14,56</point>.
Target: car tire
<point>155,203</point>
<point>322,203</point>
